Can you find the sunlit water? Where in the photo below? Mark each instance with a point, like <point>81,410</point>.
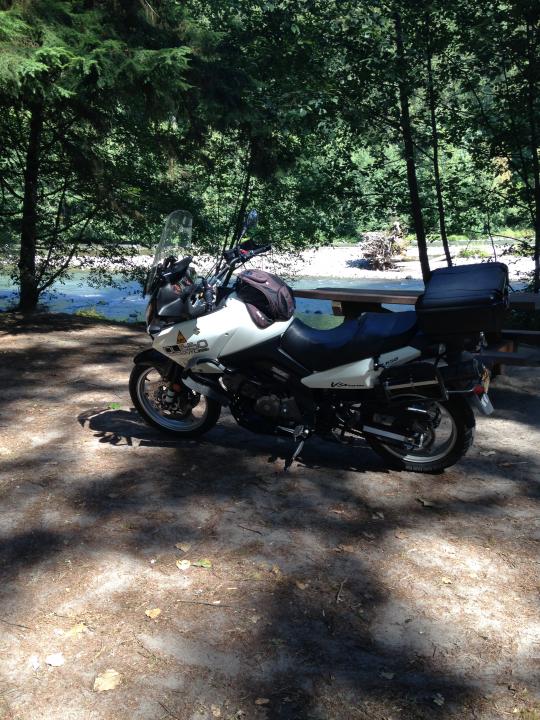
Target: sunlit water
<point>127,304</point>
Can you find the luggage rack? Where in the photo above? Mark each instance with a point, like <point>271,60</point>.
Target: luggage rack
<point>502,350</point>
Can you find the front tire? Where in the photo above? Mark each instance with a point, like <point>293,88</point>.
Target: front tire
<point>190,416</point>
<point>462,424</point>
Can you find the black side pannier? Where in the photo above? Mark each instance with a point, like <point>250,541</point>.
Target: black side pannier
<point>267,297</point>
<point>463,300</point>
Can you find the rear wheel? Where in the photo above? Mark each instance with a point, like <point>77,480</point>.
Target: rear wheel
<point>445,431</point>
<point>183,413</point>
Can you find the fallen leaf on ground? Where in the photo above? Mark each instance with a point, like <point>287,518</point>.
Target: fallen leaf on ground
<point>153,613</point>
<point>262,701</point>
<point>400,534</point>
<point>203,562</point>
<point>345,548</point>
<point>108,680</point>
<point>77,630</point>
<point>426,503</point>
<point>387,675</point>
<point>301,585</point>
<point>183,564</point>
<point>446,581</point>
<point>276,570</point>
<point>216,712</point>
<point>34,662</point>
<point>378,516</point>
<point>114,406</point>
<point>183,546</point>
<point>486,453</point>
<point>55,660</point>
<point>438,699</point>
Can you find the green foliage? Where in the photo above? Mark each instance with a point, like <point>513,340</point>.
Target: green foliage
<point>134,108</point>
<point>475,252</point>
<point>90,312</point>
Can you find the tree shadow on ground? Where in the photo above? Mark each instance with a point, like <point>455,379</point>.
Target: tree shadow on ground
<point>15,323</point>
<point>318,649</point>
<point>334,568</point>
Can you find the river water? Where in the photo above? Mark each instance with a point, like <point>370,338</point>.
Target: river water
<point>126,303</point>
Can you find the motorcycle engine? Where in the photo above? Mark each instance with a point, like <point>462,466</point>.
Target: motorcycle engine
<point>259,407</point>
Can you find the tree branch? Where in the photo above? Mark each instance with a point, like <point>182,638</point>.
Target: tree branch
<point>67,261</point>
<point>55,232</point>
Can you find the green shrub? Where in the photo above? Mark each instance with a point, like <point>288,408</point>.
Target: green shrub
<point>90,312</point>
<point>475,252</point>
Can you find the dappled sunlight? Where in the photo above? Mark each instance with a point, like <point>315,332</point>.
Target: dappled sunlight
<point>455,594</point>
<point>339,587</point>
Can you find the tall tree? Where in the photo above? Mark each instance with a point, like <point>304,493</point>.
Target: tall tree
<point>408,144</point>
<point>432,101</point>
<point>502,91</point>
<point>71,75</point>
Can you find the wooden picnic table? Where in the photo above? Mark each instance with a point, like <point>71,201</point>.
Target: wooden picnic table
<point>375,298</point>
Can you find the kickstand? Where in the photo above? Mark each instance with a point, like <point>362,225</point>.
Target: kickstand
<point>295,454</point>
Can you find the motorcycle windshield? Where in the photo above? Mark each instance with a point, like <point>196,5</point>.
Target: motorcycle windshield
<point>175,241</point>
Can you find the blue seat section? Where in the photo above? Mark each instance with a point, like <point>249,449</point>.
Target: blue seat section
<point>367,336</point>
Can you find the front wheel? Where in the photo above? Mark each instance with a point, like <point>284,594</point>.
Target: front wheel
<point>445,431</point>
<point>183,414</point>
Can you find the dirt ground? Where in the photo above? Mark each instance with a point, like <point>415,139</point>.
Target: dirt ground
<point>340,590</point>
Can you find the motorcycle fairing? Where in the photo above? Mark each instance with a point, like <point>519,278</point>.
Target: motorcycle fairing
<point>227,330</point>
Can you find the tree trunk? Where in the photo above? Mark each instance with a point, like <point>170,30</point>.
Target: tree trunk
<point>435,146</point>
<point>243,202</point>
<point>29,292</point>
<point>406,131</point>
<point>534,150</point>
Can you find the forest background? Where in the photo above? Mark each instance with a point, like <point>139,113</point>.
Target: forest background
<point>332,117</point>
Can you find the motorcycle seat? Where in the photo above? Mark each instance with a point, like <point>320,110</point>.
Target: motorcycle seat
<point>369,335</point>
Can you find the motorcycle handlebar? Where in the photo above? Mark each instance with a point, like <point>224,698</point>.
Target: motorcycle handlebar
<point>244,254</point>
<point>262,249</point>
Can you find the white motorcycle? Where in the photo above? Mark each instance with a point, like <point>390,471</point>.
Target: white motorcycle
<point>405,382</point>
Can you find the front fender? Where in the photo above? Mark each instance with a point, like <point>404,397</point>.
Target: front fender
<point>151,357</point>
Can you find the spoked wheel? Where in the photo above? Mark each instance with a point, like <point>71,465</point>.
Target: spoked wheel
<point>184,414</point>
<point>444,431</point>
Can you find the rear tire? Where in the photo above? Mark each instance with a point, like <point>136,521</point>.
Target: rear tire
<point>464,423</point>
<point>185,425</point>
